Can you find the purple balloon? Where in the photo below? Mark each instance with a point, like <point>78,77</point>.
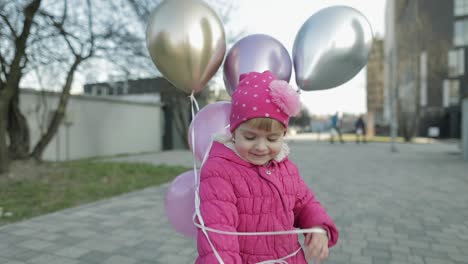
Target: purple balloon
<point>180,204</point>
<point>210,120</point>
<point>258,53</point>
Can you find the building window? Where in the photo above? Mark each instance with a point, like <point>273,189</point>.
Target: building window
<point>125,88</point>
<point>460,7</point>
<point>456,62</point>
<point>460,34</point>
<point>451,92</point>
<point>104,91</point>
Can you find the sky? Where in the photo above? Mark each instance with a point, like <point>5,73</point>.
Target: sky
<point>282,19</point>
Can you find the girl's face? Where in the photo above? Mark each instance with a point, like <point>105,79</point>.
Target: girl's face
<point>257,146</point>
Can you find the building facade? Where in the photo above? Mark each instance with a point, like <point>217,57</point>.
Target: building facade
<point>375,90</point>
<point>175,104</point>
<point>456,89</point>
<point>418,39</point>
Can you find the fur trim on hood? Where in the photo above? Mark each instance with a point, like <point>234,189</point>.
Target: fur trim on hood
<point>227,141</point>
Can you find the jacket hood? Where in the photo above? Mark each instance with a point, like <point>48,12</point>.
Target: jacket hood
<point>224,147</point>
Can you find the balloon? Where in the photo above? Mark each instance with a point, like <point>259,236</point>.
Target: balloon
<point>186,41</point>
<point>331,47</point>
<point>180,204</point>
<point>210,120</point>
<point>258,53</point>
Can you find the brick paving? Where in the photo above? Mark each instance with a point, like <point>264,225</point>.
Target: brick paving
<point>405,207</point>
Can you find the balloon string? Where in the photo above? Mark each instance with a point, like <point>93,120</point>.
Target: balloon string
<point>193,105</point>
<point>193,100</point>
<point>281,260</point>
<point>207,152</point>
<point>272,233</point>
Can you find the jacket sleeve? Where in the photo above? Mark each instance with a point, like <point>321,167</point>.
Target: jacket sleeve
<point>308,212</point>
<point>218,211</point>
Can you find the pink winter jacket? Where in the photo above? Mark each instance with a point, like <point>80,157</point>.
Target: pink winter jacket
<point>238,196</point>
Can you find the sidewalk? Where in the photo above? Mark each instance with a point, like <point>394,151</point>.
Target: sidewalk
<point>405,207</point>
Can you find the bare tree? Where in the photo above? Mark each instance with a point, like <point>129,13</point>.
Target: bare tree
<point>49,36</point>
<point>14,31</point>
<point>80,49</point>
<point>57,38</point>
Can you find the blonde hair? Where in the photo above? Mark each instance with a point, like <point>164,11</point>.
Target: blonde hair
<point>264,123</point>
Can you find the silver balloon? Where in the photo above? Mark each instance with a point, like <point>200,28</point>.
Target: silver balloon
<point>331,47</point>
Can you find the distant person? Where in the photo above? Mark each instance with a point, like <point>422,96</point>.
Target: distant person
<point>335,128</point>
<point>360,129</point>
<point>248,184</point>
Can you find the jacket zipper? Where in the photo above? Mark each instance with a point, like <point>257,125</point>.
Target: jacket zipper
<point>268,170</point>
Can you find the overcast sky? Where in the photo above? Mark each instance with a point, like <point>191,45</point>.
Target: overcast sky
<point>282,19</point>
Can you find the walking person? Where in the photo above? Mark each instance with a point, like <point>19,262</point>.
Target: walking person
<point>360,129</point>
<point>335,128</point>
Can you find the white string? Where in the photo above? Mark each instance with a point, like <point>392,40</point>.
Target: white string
<point>315,230</point>
<point>280,260</point>
<point>197,182</point>
<point>207,152</point>
<point>204,228</point>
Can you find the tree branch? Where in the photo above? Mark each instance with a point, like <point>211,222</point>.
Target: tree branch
<point>10,26</point>
<point>3,68</point>
<point>61,30</point>
<point>142,13</point>
<point>58,114</point>
<point>20,48</point>
<point>65,11</point>
<point>37,38</point>
<point>90,28</point>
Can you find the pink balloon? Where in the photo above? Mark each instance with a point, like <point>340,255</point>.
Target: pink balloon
<point>180,204</point>
<point>210,120</point>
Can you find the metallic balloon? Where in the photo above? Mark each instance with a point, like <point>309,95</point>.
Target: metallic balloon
<point>258,53</point>
<point>331,47</point>
<point>187,43</point>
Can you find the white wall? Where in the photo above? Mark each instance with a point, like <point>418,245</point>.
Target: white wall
<point>98,126</point>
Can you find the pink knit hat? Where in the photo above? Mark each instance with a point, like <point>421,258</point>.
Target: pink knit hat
<point>262,95</point>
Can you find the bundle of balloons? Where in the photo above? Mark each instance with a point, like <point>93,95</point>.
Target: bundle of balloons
<point>186,41</point>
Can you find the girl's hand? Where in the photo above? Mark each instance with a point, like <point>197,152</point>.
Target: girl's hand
<point>316,247</point>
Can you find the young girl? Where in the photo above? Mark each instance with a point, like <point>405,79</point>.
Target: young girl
<point>248,184</point>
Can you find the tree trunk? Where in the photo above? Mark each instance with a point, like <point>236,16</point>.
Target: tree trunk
<point>10,87</point>
<point>4,159</point>
<point>57,118</point>
<point>181,120</point>
<point>18,130</point>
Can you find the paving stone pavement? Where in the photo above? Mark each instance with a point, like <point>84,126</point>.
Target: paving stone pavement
<point>405,207</point>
